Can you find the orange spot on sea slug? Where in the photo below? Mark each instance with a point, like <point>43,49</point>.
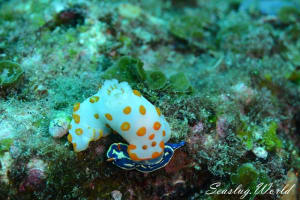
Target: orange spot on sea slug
<point>76,118</point>
<point>162,145</point>
<point>131,147</point>
<point>74,146</point>
<point>158,111</point>
<point>78,131</point>
<point>125,126</point>
<point>70,138</point>
<point>137,93</point>
<point>141,131</point>
<point>151,137</point>
<point>142,110</point>
<point>76,107</point>
<point>127,110</point>
<point>153,144</point>
<point>108,116</point>
<point>94,99</point>
<point>133,156</point>
<point>156,155</point>
<point>100,133</point>
<point>156,126</point>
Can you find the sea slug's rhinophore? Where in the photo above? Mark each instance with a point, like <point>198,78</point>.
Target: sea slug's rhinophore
<point>116,106</point>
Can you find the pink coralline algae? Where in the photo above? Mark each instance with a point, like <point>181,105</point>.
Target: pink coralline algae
<point>198,128</point>
<point>222,125</point>
<point>243,93</point>
<point>195,137</point>
<point>36,176</point>
<point>34,180</point>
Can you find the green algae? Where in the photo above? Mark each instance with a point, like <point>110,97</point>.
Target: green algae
<point>188,27</point>
<point>236,30</point>
<point>292,54</point>
<point>246,135</point>
<point>156,80</point>
<point>126,69</point>
<point>131,70</point>
<point>5,145</point>
<point>126,41</point>
<point>246,175</point>
<point>10,73</point>
<point>180,83</point>
<point>295,77</point>
<point>249,177</point>
<point>270,138</point>
<point>196,29</point>
<point>289,15</point>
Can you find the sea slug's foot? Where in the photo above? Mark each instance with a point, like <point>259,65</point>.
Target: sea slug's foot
<point>118,155</point>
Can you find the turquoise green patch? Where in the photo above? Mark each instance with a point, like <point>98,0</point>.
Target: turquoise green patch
<point>246,135</point>
<point>10,73</point>
<point>126,69</point>
<point>5,145</point>
<point>180,83</point>
<point>156,80</point>
<point>246,175</point>
<point>293,55</point>
<point>249,177</point>
<point>236,30</point>
<point>194,28</point>
<point>131,70</point>
<point>187,27</point>
<point>7,14</point>
<point>126,41</point>
<point>270,139</point>
<point>295,77</point>
<point>289,15</point>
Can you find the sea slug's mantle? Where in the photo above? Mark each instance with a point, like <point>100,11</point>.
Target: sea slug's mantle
<point>116,106</point>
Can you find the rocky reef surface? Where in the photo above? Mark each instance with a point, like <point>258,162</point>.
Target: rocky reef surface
<point>225,74</point>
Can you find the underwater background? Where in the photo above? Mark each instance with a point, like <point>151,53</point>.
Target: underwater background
<point>225,74</point>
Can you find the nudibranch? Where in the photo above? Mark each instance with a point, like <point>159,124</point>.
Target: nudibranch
<point>119,108</point>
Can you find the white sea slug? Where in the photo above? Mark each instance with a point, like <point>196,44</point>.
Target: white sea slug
<point>116,106</point>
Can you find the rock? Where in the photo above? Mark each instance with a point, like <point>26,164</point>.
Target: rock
<point>59,125</point>
<point>116,195</point>
<point>260,152</point>
<point>222,126</point>
<point>129,11</point>
<point>243,93</point>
